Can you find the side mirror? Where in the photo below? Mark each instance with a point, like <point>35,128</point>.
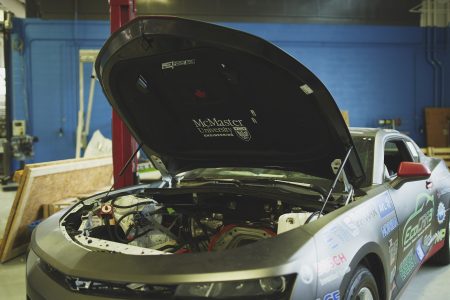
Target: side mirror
<point>410,171</point>
<point>413,170</point>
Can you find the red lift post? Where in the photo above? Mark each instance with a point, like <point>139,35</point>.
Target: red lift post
<point>123,144</point>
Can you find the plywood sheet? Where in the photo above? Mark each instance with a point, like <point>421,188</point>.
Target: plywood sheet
<point>47,183</point>
<point>437,126</point>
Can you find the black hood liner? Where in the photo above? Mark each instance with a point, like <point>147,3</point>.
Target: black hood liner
<point>200,95</point>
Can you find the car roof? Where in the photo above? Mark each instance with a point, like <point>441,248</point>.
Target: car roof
<point>371,132</point>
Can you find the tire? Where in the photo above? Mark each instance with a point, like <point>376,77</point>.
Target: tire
<point>442,257</point>
<point>362,286</point>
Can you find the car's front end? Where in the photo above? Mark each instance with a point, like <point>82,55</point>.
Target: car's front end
<point>212,241</point>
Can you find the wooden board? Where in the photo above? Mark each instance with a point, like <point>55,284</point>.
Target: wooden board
<point>437,126</point>
<point>21,177</point>
<point>51,208</point>
<point>46,183</point>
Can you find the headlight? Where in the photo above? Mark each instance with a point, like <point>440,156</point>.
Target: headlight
<point>264,288</point>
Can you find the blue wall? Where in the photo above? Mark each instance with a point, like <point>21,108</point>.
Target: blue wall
<point>374,72</point>
<point>45,86</point>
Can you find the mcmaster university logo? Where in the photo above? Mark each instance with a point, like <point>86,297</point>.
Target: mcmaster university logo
<point>243,133</point>
<point>213,127</point>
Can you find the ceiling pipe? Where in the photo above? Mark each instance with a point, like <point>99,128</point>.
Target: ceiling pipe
<point>438,63</point>
<point>429,51</point>
<point>439,68</point>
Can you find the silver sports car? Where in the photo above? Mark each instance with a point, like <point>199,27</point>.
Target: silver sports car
<point>265,193</point>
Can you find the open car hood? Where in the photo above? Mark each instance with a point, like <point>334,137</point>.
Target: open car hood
<point>198,95</point>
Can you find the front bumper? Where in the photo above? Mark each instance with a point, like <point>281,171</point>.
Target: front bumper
<point>45,282</point>
<point>259,260</point>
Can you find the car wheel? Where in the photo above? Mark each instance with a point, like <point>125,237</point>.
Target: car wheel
<point>442,257</point>
<point>362,286</point>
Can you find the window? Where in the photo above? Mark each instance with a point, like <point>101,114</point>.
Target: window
<point>365,146</point>
<point>395,151</point>
<point>413,151</point>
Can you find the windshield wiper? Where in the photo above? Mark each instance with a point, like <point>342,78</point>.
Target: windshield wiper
<point>211,180</point>
<point>258,181</point>
<point>277,182</point>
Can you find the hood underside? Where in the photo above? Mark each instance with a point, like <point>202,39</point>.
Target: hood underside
<point>200,95</point>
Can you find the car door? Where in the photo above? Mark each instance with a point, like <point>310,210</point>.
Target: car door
<point>414,204</point>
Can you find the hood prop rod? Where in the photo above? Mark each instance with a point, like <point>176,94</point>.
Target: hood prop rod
<point>123,169</point>
<point>338,174</point>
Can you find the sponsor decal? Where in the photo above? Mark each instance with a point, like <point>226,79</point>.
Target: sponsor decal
<point>332,296</point>
<point>388,227</point>
<point>213,127</point>
<point>349,227</point>
<point>419,250</point>
<point>440,235</point>
<point>354,221</point>
<point>435,238</point>
<point>331,268</point>
<point>393,248</point>
<point>385,206</point>
<point>306,274</point>
<point>441,213</point>
<point>364,218</point>
<point>419,221</point>
<point>429,239</point>
<point>176,63</point>
<point>407,266</point>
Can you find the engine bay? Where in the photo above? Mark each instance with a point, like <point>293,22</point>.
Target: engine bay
<point>142,223</point>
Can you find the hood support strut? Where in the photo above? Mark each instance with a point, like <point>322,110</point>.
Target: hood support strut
<point>333,186</point>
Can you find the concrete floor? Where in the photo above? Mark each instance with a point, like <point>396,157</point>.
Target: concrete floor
<point>12,279</point>
<point>431,282</point>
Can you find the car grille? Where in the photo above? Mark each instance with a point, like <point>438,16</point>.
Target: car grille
<point>109,289</point>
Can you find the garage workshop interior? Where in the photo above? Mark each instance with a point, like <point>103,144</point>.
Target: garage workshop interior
<point>217,149</point>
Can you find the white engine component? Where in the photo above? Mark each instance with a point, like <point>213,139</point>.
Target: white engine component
<point>291,221</point>
<point>131,200</point>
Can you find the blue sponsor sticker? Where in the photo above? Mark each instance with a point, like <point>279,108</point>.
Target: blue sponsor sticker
<point>388,227</point>
<point>385,207</point>
<point>419,251</point>
<point>441,213</point>
<point>332,296</point>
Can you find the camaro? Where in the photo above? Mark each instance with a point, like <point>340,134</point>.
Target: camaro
<point>265,193</point>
